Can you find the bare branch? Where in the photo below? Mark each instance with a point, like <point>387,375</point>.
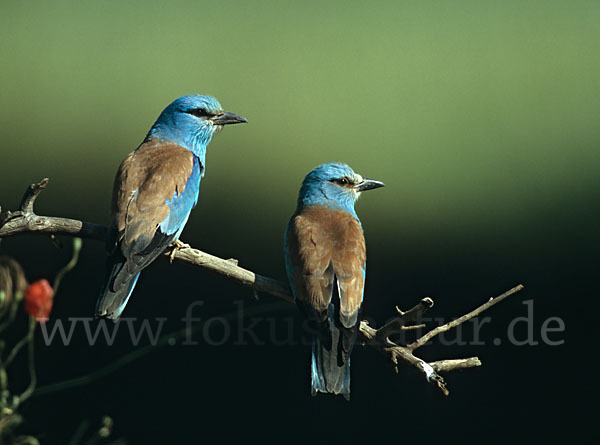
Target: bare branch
<point>378,338</point>
<point>230,269</point>
<point>450,365</point>
<point>396,353</point>
<point>398,324</point>
<point>26,221</point>
<point>452,324</point>
<point>31,194</point>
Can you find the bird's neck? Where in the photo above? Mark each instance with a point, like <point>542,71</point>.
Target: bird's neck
<point>320,198</point>
<point>193,140</point>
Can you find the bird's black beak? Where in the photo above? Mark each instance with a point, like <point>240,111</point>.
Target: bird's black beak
<point>226,118</point>
<point>368,184</point>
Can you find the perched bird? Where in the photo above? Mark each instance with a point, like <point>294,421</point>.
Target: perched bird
<point>155,189</point>
<point>325,257</point>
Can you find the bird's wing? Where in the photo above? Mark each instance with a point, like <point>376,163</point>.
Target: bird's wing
<point>155,189</point>
<point>349,264</point>
<point>323,245</point>
<point>308,256</point>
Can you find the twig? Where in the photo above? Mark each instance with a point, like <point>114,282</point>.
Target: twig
<point>16,348</point>
<point>69,266</point>
<point>231,270</point>
<point>398,324</point>
<point>449,365</point>
<point>31,363</point>
<point>26,221</point>
<point>452,324</point>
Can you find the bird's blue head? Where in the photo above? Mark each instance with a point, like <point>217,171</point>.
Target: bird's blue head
<point>334,185</point>
<point>191,121</point>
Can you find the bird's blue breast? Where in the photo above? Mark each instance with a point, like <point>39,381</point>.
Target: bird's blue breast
<point>183,202</point>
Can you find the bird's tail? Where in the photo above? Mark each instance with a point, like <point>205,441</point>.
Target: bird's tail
<point>331,348</point>
<point>113,299</point>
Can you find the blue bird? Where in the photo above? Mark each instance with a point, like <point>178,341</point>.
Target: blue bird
<point>325,258</point>
<point>155,189</point>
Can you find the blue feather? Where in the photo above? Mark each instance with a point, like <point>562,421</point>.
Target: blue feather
<point>177,124</point>
<point>317,188</point>
<point>182,204</point>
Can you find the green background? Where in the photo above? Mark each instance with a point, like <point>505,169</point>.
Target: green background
<point>481,117</point>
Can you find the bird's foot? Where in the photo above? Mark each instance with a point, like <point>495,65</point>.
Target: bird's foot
<point>175,246</point>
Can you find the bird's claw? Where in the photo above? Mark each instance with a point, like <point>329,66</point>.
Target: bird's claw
<point>175,246</point>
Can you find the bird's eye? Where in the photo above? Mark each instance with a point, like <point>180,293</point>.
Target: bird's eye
<point>341,181</point>
<point>199,112</point>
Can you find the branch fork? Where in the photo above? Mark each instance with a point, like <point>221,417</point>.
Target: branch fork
<point>379,339</point>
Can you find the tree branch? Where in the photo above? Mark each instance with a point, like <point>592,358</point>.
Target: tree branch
<point>230,269</point>
<point>452,324</point>
<point>398,324</point>
<point>25,220</point>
